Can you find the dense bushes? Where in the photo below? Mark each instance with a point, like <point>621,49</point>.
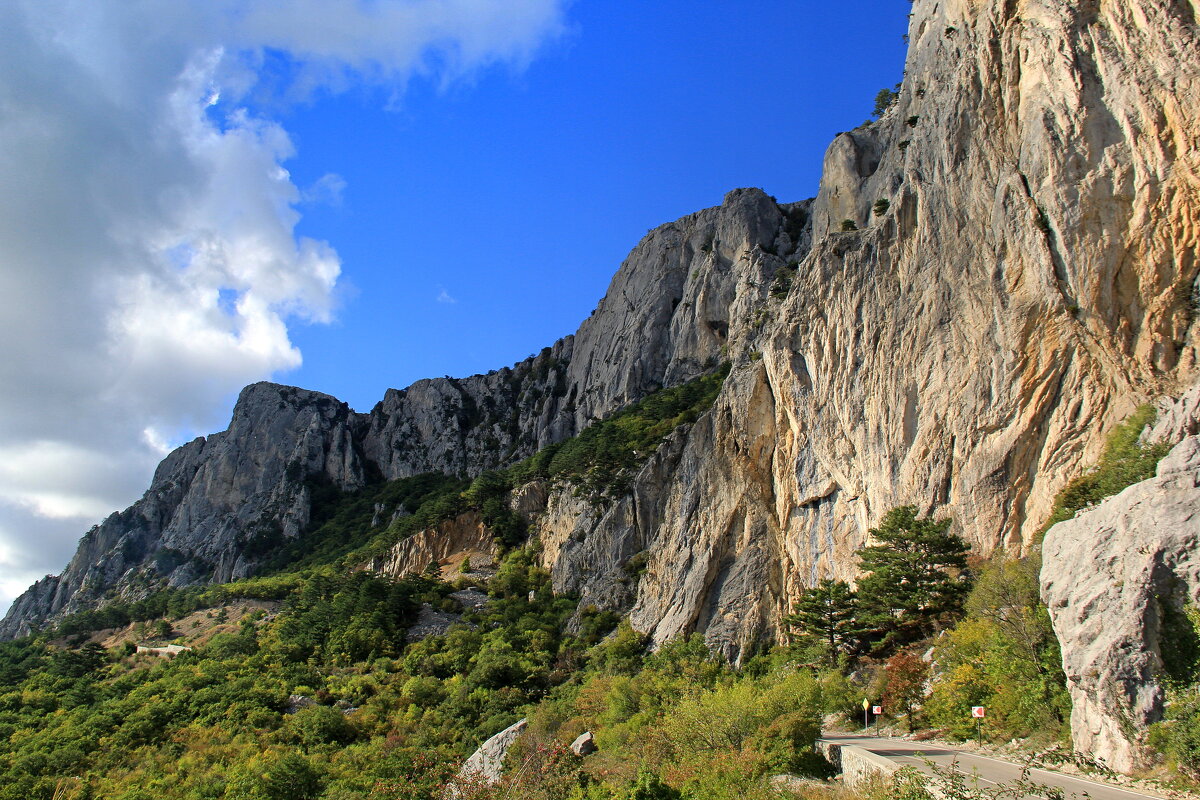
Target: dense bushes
<point>215,722</point>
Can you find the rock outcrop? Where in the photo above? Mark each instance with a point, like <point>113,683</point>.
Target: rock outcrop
<point>463,535</point>
<point>1117,579</point>
<point>487,763</point>
<point>1021,276</point>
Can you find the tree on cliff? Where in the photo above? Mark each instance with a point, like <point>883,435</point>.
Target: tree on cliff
<point>915,577</point>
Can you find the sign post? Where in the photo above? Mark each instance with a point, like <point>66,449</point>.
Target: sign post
<point>978,713</point>
<point>877,711</point>
<point>866,708</point>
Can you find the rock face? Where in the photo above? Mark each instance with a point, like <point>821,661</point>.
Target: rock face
<point>215,505</point>
<point>584,744</point>
<point>1027,282</point>
<point>463,534</point>
<point>1116,579</point>
<point>1022,275</point>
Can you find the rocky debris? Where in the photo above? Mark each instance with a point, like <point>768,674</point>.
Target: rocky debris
<point>970,375</point>
<point>471,599</point>
<point>584,744</point>
<point>487,763</point>
<point>1116,580</point>
<point>431,622</point>
<point>295,702</point>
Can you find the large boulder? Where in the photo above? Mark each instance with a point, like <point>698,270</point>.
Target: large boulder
<point>487,763</point>
<point>1116,579</point>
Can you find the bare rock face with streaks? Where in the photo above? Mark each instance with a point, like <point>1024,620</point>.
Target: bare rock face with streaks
<point>465,535</point>
<point>1022,276</point>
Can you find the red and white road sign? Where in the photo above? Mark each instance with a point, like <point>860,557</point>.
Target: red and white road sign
<point>978,712</point>
<point>876,710</point>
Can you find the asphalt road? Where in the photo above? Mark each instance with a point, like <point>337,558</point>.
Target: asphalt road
<point>989,772</point>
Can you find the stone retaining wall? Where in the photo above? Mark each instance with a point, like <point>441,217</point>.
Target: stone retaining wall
<point>857,765</point>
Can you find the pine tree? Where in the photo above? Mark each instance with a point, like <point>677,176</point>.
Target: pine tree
<point>914,576</point>
<point>828,612</point>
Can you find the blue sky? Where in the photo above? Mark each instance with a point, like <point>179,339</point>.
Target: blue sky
<point>350,195</point>
<point>519,194</point>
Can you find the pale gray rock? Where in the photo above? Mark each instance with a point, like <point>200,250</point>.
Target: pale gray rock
<point>584,744</point>
<point>1113,577</point>
<point>465,534</point>
<point>431,622</point>
<point>1177,418</point>
<point>295,702</point>
<point>471,599</point>
<point>487,763</point>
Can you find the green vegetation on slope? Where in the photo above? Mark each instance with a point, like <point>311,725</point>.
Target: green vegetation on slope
<point>384,717</point>
<point>215,722</point>
<point>602,460</point>
<point>1124,462</point>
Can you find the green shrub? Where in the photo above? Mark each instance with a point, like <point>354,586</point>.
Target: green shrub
<point>784,278</point>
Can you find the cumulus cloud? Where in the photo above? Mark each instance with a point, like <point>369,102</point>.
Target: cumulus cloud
<point>149,263</point>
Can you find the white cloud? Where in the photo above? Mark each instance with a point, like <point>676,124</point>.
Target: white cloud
<point>326,190</point>
<point>444,297</point>
<point>149,264</point>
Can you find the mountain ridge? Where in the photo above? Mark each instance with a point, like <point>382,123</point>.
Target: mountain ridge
<point>992,275</point>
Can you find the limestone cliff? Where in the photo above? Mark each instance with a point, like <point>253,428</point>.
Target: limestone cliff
<point>217,506</point>
<point>1020,275</point>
